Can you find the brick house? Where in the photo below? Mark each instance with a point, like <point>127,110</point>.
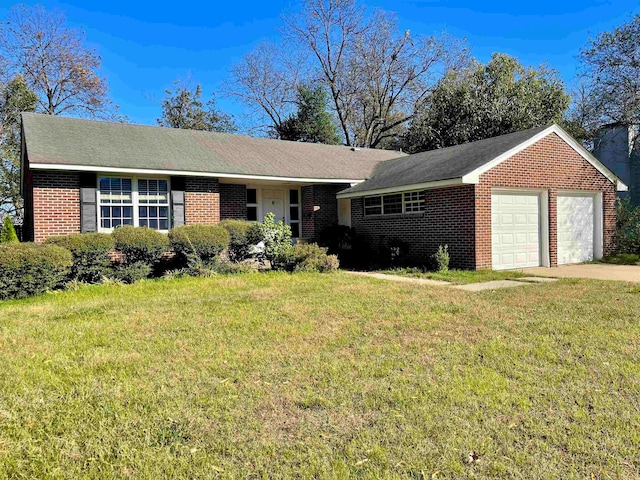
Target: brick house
<point>525,199</point>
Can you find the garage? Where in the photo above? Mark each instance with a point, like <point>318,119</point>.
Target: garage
<point>577,222</point>
<point>515,230</point>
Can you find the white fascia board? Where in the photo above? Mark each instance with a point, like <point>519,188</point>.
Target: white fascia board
<point>474,176</point>
<point>404,188</point>
<point>184,173</point>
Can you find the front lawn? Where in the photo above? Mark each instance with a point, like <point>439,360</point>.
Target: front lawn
<point>458,277</point>
<point>325,376</point>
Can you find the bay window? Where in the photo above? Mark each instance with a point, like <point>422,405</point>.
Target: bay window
<point>140,202</point>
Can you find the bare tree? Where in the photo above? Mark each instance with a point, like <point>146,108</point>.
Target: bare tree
<point>266,80</point>
<point>54,61</point>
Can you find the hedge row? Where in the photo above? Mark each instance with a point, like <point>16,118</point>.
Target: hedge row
<point>130,254</point>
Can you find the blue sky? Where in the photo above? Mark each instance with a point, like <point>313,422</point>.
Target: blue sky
<point>147,45</point>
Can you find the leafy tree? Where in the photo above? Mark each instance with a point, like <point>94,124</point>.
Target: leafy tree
<point>183,108</point>
<point>54,62</point>
<point>8,233</point>
<point>15,97</point>
<point>483,101</point>
<point>312,123</point>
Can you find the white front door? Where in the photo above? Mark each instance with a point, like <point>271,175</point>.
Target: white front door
<point>273,201</point>
<point>515,230</point>
<point>575,228</point>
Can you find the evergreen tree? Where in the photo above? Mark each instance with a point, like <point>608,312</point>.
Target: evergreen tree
<point>8,233</point>
<point>312,123</point>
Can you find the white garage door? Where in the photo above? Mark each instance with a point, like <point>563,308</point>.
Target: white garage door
<point>515,230</point>
<point>575,228</point>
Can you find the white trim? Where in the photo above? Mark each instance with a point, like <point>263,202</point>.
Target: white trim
<point>186,173</point>
<point>543,220</point>
<point>474,176</point>
<point>403,188</point>
<point>598,217</point>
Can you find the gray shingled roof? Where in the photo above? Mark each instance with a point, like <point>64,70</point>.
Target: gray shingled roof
<point>68,141</point>
<point>443,164</point>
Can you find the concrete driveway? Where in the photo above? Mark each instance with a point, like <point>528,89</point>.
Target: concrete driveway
<point>598,271</point>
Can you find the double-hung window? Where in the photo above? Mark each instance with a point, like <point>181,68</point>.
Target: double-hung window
<point>395,203</point>
<point>141,202</point>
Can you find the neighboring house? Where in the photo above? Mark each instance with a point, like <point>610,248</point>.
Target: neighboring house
<point>615,146</point>
<point>525,199</point>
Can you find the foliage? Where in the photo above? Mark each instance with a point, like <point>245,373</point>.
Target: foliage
<point>311,123</point>
<point>90,253</point>
<point>622,259</point>
<point>351,248</point>
<point>610,71</point>
<point>54,61</point>
<point>484,101</point>
<point>627,227</point>
<point>140,244</point>
<point>441,259</point>
<point>8,233</point>
<point>15,97</point>
<point>130,272</point>
<point>306,257</point>
<point>30,269</point>
<point>394,252</point>
<point>195,244</point>
<point>183,108</point>
<point>375,75</point>
<point>275,235</point>
<point>243,235</point>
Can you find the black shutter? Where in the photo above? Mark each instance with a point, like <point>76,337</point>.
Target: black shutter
<point>177,201</point>
<point>88,207</point>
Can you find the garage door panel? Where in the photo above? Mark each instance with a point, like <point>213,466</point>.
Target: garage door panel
<point>515,230</point>
<point>575,228</point>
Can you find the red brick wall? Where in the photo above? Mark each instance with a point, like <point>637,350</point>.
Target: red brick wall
<point>54,204</point>
<point>323,196</point>
<point>549,164</point>
<point>233,201</point>
<point>201,200</point>
<point>448,220</point>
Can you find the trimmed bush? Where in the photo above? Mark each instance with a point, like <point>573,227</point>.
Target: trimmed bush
<point>8,232</point>
<point>131,272</point>
<point>276,237</point>
<point>90,253</point>
<point>195,244</point>
<point>307,258</point>
<point>140,244</point>
<point>243,236</point>
<point>30,269</point>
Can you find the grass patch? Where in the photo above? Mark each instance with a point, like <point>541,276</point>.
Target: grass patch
<point>458,277</point>
<point>621,259</point>
<point>325,376</point>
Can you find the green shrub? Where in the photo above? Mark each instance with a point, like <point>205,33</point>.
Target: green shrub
<point>627,227</point>
<point>140,244</point>
<point>8,233</point>
<point>441,259</point>
<point>307,257</point>
<point>394,252</point>
<point>131,272</point>
<point>352,249</point>
<point>623,259</point>
<point>243,236</point>
<point>90,253</point>
<point>194,244</point>
<point>275,235</point>
<point>29,269</point>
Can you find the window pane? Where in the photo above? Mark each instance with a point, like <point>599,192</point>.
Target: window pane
<point>153,223</point>
<point>164,224</point>
<point>295,230</point>
<point>127,221</point>
<point>372,201</point>
<point>106,223</point>
<point>252,214</point>
<point>116,212</point>
<point>252,195</point>
<point>142,211</point>
<point>116,222</point>
<point>143,223</point>
<point>164,212</point>
<point>127,212</point>
<point>294,213</point>
<point>293,197</point>
<point>392,204</point>
<point>153,191</point>
<point>373,210</point>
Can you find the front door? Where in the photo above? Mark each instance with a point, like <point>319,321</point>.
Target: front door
<point>273,201</point>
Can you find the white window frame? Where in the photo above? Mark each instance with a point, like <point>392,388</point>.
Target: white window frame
<point>296,205</point>
<point>134,199</point>
<point>405,203</point>
<point>287,204</point>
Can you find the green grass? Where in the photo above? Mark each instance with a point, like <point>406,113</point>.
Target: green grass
<point>458,277</point>
<point>321,376</point>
